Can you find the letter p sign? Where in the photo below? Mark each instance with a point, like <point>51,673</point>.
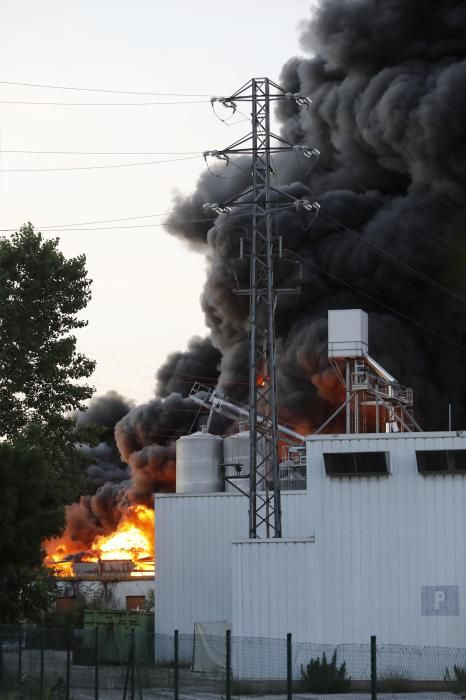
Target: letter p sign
<point>440,600</point>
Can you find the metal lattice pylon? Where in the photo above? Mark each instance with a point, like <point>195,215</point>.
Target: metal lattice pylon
<point>260,144</point>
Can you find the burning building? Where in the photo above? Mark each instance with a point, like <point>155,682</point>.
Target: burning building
<point>386,82</point>
<point>373,543</point>
<point>106,552</point>
<point>115,569</point>
<point>373,530</point>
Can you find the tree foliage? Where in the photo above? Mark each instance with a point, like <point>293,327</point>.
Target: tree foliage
<point>42,382</point>
<point>41,295</point>
<point>31,510</point>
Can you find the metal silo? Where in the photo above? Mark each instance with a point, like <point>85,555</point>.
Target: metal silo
<point>198,459</point>
<point>236,453</point>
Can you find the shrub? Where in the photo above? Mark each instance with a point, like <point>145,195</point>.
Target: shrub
<point>394,682</point>
<point>458,683</point>
<point>324,677</point>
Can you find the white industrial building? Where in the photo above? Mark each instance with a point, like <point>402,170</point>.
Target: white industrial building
<point>373,537</point>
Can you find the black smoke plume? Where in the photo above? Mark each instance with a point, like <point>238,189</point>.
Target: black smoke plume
<point>387,83</point>
<point>108,477</point>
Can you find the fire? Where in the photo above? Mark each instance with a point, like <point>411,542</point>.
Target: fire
<point>132,542</point>
<point>261,380</point>
<point>133,539</point>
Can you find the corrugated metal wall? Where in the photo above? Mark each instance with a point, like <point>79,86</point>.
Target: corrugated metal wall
<point>269,577</point>
<point>193,558</point>
<point>378,541</point>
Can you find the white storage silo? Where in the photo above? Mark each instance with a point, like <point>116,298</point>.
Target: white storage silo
<point>198,459</point>
<point>236,451</point>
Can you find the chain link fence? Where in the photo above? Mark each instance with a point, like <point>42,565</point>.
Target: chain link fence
<point>110,664</point>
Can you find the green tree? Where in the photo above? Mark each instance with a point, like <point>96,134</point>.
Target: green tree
<point>41,373</point>
<point>42,383</point>
<point>31,510</point>
<point>41,294</point>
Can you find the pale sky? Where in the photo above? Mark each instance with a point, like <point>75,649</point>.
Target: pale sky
<point>146,283</point>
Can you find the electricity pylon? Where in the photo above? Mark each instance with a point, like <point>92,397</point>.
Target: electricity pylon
<point>264,249</point>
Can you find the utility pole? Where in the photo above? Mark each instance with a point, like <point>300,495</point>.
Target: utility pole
<point>264,250</point>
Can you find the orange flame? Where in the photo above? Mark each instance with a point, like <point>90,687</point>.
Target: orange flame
<point>133,540</point>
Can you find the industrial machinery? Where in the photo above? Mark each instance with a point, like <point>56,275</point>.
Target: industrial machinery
<point>374,400</point>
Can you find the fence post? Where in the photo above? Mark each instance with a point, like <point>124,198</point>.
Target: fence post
<point>289,667</point>
<point>373,667</point>
<point>133,664</point>
<point>20,654</point>
<point>96,664</point>
<point>228,665</point>
<point>68,662</point>
<point>41,681</point>
<point>177,666</point>
<point>1,662</point>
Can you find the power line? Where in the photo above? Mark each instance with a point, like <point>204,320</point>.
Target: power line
<point>181,377</point>
<point>103,153</point>
<point>380,303</point>
<point>51,227</point>
<point>96,167</point>
<point>103,90</point>
<point>124,362</point>
<point>411,270</point>
<point>414,223</point>
<point>153,398</point>
<point>101,104</point>
<point>71,227</point>
<point>107,228</point>
<point>102,221</point>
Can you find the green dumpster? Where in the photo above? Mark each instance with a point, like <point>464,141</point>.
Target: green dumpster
<point>114,630</point>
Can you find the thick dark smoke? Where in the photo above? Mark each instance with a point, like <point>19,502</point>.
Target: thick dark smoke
<point>200,362</point>
<point>386,81</point>
<point>103,413</point>
<point>108,476</point>
<point>146,439</point>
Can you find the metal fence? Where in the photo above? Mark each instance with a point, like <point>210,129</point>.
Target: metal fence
<point>110,664</point>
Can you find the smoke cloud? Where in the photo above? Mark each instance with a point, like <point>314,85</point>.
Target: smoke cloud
<point>107,475</point>
<point>386,80</point>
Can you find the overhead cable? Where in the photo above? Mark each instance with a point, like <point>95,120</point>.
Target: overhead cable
<point>101,104</point>
<point>106,90</point>
<point>382,304</point>
<point>97,167</point>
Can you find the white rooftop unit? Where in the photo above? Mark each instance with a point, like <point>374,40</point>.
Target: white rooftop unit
<point>347,333</point>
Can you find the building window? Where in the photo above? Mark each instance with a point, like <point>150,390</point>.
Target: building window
<point>135,602</point>
<point>356,463</point>
<point>441,461</point>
